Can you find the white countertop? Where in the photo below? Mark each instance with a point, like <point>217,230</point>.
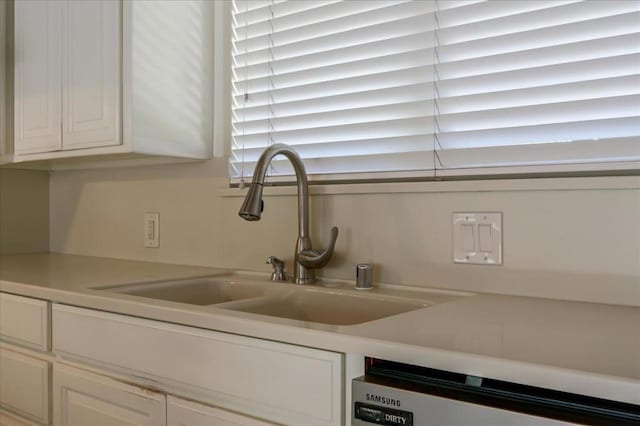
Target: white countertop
<point>586,348</point>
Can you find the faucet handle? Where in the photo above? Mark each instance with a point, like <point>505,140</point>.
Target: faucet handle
<point>279,274</point>
<point>315,258</point>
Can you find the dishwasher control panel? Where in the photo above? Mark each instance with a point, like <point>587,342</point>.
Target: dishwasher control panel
<point>380,415</point>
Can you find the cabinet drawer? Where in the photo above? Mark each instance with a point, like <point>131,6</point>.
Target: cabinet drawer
<point>187,413</point>
<point>275,381</point>
<point>24,321</point>
<point>24,385</point>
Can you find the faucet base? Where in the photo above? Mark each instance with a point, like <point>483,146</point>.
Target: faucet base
<point>310,278</point>
<point>302,274</point>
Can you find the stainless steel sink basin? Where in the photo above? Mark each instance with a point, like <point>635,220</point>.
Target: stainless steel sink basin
<point>328,308</point>
<point>198,291</point>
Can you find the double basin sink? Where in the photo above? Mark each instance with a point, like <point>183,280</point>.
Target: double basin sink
<point>335,305</point>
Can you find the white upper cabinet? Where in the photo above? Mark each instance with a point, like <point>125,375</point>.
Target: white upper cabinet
<point>91,74</point>
<point>38,69</point>
<point>112,79</point>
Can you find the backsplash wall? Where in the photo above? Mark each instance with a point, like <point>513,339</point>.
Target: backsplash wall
<point>24,211</point>
<point>579,244</point>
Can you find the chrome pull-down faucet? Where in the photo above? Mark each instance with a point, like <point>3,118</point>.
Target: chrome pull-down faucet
<point>306,259</point>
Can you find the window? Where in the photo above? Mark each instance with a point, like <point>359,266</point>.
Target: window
<point>366,89</point>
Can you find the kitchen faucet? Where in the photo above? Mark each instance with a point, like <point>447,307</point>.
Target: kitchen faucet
<point>306,259</point>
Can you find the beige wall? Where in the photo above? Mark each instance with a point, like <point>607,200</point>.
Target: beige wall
<point>578,244</point>
<point>24,211</point>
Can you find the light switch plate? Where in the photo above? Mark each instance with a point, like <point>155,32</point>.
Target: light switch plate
<point>152,230</point>
<point>477,238</point>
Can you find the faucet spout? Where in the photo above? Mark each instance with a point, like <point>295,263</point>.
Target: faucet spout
<point>304,271</point>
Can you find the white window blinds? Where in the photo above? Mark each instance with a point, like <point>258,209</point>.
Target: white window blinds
<point>368,88</point>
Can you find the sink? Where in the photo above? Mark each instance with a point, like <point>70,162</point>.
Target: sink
<point>328,308</point>
<point>335,304</point>
<point>199,291</point>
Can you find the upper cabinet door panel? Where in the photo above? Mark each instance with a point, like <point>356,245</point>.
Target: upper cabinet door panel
<point>91,73</point>
<point>38,67</point>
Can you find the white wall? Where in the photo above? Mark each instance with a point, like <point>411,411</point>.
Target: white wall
<point>24,211</point>
<point>579,243</point>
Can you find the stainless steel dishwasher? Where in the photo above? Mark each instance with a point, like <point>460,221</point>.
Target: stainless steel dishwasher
<point>399,394</point>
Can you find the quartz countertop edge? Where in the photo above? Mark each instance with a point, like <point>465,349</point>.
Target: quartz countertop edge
<point>485,335</point>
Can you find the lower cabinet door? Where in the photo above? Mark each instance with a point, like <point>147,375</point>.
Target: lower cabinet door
<point>24,385</point>
<point>187,413</point>
<point>81,398</point>
<point>10,419</point>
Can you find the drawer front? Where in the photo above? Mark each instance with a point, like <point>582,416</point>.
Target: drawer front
<point>275,381</point>
<point>24,321</point>
<point>24,385</point>
<point>187,413</point>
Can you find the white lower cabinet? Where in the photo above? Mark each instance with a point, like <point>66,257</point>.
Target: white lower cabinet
<point>102,366</point>
<point>81,398</point>
<point>181,412</point>
<point>278,382</point>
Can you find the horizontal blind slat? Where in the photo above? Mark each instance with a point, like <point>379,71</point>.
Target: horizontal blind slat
<point>540,95</point>
<point>293,25</point>
<point>450,67</point>
<point>324,102</point>
<point>337,117</point>
<point>351,164</point>
<point>414,43</point>
<point>370,146</point>
<point>388,128</point>
<point>625,149</point>
<point>537,115</point>
<point>545,19</point>
<point>410,66</point>
<point>461,13</point>
<point>556,74</point>
<point>417,25</point>
<point>626,127</point>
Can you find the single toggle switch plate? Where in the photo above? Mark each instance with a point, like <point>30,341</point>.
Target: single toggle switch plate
<point>477,238</point>
<point>152,230</point>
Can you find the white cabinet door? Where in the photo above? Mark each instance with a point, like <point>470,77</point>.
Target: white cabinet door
<point>91,73</point>
<point>81,398</point>
<point>188,413</point>
<point>38,74</point>
<point>24,385</point>
<point>10,419</point>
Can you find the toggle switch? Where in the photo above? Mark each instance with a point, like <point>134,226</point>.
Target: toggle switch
<point>468,238</point>
<point>484,237</point>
